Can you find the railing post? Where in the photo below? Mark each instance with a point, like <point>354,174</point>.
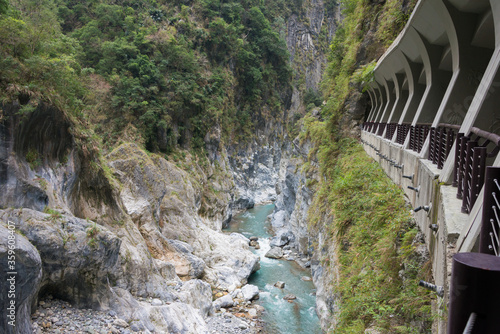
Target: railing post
<point>381,129</point>
<point>491,211</point>
<point>432,145</point>
<point>456,165</point>
<point>467,179</point>
<point>425,132</point>
<point>461,166</point>
<point>474,288</point>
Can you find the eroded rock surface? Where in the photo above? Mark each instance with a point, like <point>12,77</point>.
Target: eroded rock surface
<point>20,280</point>
<point>162,240</point>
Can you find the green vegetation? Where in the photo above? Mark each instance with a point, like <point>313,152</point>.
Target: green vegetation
<point>33,158</point>
<point>155,72</point>
<point>54,214</point>
<point>375,232</point>
<point>312,99</point>
<point>92,232</point>
<point>368,28</point>
<point>43,183</point>
<point>372,229</point>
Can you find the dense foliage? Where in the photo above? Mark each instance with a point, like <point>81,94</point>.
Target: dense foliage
<point>372,229</point>
<point>164,72</point>
<point>367,30</point>
<point>169,73</point>
<point>374,235</point>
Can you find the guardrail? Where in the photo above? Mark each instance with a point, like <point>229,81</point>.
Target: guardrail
<point>489,242</point>
<point>441,141</point>
<point>402,130</point>
<point>418,134</point>
<point>391,128</point>
<point>474,290</point>
<point>471,152</point>
<point>470,164</point>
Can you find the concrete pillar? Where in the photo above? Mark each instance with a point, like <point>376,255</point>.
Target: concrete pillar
<point>373,104</point>
<point>391,100</point>
<point>434,78</point>
<point>469,64</point>
<point>436,81</point>
<point>483,110</point>
<point>376,106</point>
<point>382,98</point>
<point>416,89</point>
<point>402,93</point>
<point>390,91</point>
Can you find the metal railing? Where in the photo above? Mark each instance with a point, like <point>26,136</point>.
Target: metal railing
<point>402,132</point>
<point>470,164</point>
<point>474,281</point>
<point>370,126</point>
<point>381,128</point>
<point>489,241</point>
<point>391,128</point>
<point>367,126</point>
<point>441,141</point>
<point>418,134</point>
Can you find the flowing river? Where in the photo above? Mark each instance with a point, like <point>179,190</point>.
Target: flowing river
<point>281,317</point>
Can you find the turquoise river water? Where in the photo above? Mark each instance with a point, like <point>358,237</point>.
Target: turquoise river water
<point>281,316</point>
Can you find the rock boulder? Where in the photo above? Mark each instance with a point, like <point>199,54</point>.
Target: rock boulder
<point>250,292</point>
<point>274,253</point>
<point>24,285</point>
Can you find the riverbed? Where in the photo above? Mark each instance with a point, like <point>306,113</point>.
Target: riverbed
<point>281,316</point>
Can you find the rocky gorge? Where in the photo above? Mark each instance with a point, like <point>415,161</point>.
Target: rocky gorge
<point>143,236</point>
<point>129,241</point>
<point>124,159</point>
<point>150,250</point>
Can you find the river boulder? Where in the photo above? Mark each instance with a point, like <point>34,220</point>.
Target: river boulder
<point>198,294</point>
<point>282,239</point>
<point>223,302</point>
<point>186,264</point>
<point>274,253</point>
<point>250,292</point>
<point>279,284</point>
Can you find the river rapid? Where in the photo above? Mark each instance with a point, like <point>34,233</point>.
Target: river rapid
<point>281,316</point>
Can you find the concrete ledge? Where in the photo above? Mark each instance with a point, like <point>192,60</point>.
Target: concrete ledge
<point>445,208</point>
<point>454,219</point>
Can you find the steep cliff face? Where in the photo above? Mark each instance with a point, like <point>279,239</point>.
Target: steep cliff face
<point>277,166</point>
<point>115,228</point>
<point>255,166</point>
<point>296,188</point>
<point>259,165</point>
<point>308,37</point>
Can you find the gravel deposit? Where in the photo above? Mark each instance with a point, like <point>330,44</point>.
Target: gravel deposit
<point>59,317</point>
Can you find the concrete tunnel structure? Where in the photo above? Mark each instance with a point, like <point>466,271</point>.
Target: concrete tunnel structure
<point>434,124</point>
